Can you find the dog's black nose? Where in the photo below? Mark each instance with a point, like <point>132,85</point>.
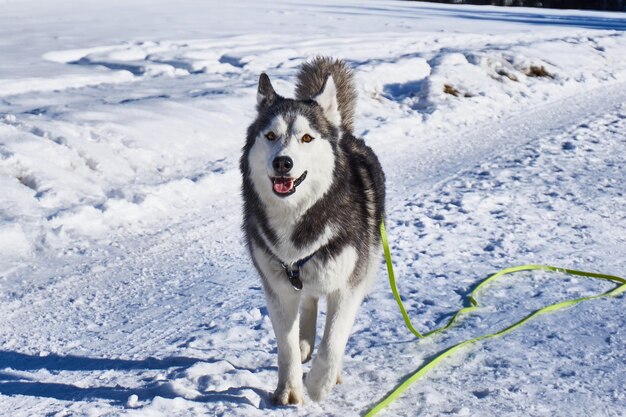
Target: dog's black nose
<point>282,164</point>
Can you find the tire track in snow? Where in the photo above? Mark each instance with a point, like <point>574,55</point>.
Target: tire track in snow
<point>444,156</point>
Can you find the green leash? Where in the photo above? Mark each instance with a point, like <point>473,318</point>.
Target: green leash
<point>620,288</point>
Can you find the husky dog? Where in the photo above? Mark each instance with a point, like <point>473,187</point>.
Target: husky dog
<point>313,202</point>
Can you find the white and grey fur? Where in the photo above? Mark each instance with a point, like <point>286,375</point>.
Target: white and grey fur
<point>334,215</point>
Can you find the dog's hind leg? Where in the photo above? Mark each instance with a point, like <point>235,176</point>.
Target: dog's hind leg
<point>326,368</point>
<point>308,322</point>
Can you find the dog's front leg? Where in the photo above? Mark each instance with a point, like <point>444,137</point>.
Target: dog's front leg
<point>283,306</point>
<point>326,368</point>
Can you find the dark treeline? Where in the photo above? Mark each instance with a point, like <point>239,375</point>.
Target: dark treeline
<point>616,5</point>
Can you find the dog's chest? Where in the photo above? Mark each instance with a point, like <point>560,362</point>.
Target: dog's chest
<point>287,246</point>
<point>326,274</point>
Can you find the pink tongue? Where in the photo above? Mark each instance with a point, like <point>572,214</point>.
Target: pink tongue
<point>283,185</point>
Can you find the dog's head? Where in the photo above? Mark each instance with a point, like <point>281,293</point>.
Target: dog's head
<point>292,147</point>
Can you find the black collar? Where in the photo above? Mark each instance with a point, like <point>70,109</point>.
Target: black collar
<point>293,273</point>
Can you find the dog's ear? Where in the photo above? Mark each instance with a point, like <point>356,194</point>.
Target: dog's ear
<point>265,95</point>
<point>327,99</point>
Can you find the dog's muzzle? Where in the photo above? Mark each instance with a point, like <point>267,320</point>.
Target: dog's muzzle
<point>284,186</point>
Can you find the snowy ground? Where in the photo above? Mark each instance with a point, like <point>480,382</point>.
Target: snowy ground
<point>124,284</point>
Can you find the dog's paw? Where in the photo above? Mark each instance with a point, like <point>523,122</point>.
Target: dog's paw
<point>306,350</point>
<point>288,395</point>
<point>320,380</point>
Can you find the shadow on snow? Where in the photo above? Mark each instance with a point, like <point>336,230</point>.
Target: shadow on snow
<point>11,384</point>
<point>586,19</point>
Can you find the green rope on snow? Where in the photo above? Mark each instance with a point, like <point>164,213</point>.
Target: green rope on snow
<point>417,374</point>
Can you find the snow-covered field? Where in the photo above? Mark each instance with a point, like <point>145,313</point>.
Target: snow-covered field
<point>125,288</point>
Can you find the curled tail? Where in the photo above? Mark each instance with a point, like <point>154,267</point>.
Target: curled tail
<point>312,78</point>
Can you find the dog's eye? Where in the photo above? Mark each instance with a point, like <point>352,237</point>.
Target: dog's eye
<point>270,136</point>
<point>307,138</point>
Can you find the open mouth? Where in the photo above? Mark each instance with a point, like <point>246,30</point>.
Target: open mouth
<point>284,186</point>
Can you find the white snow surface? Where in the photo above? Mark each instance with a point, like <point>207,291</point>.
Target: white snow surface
<point>125,286</point>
